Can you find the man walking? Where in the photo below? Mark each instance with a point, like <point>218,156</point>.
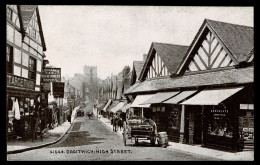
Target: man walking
<point>115,123</point>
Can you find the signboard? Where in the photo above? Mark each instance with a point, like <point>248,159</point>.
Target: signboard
<point>247,106</point>
<point>58,89</point>
<point>51,75</point>
<point>45,87</point>
<point>16,81</point>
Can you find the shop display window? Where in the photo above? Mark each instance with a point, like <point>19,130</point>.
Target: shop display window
<point>246,125</point>
<point>220,123</point>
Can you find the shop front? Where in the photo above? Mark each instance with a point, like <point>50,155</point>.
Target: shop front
<point>23,104</point>
<point>227,118</point>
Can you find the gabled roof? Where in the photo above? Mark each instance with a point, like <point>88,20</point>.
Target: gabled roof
<point>170,54</point>
<point>25,13</point>
<point>220,77</point>
<point>237,39</point>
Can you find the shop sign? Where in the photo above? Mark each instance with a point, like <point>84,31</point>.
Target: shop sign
<point>51,75</point>
<point>247,106</point>
<point>16,81</point>
<point>58,89</point>
<point>219,111</point>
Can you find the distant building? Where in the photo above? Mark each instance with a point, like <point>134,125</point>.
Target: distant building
<point>91,85</point>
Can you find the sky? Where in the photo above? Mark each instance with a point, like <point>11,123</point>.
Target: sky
<point>111,37</point>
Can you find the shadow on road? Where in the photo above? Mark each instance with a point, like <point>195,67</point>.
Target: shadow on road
<point>79,139</point>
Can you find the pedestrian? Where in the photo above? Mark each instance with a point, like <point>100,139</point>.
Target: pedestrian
<point>120,123</point>
<point>115,123</point>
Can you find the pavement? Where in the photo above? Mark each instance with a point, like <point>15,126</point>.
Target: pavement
<point>197,149</point>
<point>50,137</point>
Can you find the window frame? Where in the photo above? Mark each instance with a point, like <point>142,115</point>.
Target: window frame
<point>9,63</point>
<point>32,70</point>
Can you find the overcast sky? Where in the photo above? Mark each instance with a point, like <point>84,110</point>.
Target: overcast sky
<point>112,37</point>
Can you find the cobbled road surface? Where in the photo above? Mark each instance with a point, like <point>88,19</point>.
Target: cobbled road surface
<point>90,139</point>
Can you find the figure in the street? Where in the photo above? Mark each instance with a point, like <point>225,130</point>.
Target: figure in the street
<point>115,120</point>
<point>120,123</point>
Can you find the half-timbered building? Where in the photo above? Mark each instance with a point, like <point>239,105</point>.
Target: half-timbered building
<point>25,46</point>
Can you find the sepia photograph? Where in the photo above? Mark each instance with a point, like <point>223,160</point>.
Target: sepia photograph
<point>129,83</point>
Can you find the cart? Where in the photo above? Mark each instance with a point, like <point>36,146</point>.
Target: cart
<point>137,127</point>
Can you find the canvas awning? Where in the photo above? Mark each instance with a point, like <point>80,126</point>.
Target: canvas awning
<point>212,97</point>
<point>140,99</point>
<point>117,107</point>
<point>100,105</point>
<point>160,97</point>
<point>125,107</point>
<point>108,103</point>
<point>181,96</point>
<point>114,103</point>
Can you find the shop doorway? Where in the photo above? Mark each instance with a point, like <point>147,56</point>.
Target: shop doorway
<point>193,125</point>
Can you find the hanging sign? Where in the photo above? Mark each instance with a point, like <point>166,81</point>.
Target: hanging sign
<point>51,75</point>
<point>58,89</point>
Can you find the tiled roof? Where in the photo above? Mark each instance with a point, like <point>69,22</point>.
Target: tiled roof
<point>237,38</point>
<point>131,88</point>
<point>138,65</point>
<point>170,54</point>
<point>238,76</point>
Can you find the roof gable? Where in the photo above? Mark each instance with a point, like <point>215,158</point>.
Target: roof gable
<point>237,38</point>
<point>163,55</point>
<point>26,14</point>
<point>227,44</point>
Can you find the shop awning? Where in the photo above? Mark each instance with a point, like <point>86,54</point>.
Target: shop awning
<point>211,97</point>
<point>125,107</point>
<point>114,103</point>
<point>140,99</point>
<point>176,99</point>
<point>160,97</point>
<point>117,107</point>
<point>100,105</point>
<point>106,106</point>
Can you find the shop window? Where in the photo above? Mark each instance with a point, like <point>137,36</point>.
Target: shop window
<point>9,14</point>
<point>9,59</point>
<point>32,68</point>
<point>246,125</point>
<point>220,123</point>
<point>173,118</point>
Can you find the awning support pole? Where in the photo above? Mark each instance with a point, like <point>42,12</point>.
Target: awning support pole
<point>182,124</point>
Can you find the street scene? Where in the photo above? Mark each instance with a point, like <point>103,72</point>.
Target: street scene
<point>126,83</point>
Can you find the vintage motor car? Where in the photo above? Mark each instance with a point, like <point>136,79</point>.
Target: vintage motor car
<point>139,128</point>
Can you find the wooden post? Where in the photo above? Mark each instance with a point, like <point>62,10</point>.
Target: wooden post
<point>182,124</point>
<point>142,112</point>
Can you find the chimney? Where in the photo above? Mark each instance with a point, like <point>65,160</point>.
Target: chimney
<point>144,57</point>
